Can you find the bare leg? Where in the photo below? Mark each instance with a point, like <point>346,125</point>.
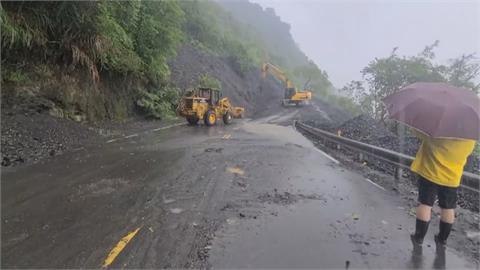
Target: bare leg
<point>424,212</point>
<point>447,215</point>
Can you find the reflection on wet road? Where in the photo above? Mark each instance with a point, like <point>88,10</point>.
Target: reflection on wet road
<point>250,195</point>
<point>356,224</point>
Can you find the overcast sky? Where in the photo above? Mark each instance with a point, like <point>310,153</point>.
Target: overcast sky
<point>342,36</point>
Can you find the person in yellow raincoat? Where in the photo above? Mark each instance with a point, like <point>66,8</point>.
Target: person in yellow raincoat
<point>439,164</point>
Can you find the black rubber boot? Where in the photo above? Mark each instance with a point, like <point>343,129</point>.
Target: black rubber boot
<point>441,237</point>
<point>421,228</point>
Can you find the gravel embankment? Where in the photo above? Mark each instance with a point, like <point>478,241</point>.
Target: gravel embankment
<point>365,129</point>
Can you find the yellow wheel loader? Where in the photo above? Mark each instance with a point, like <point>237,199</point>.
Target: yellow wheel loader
<point>208,104</point>
<point>291,96</point>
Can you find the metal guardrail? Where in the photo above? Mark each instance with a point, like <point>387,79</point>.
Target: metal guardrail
<point>470,181</point>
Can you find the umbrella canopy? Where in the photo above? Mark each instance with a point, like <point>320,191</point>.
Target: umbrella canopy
<point>437,109</point>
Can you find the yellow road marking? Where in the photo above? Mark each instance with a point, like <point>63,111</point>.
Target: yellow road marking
<point>235,170</point>
<point>118,248</point>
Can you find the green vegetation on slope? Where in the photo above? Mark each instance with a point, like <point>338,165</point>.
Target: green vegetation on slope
<point>134,37</point>
<point>206,81</point>
<point>131,41</point>
<point>107,39</point>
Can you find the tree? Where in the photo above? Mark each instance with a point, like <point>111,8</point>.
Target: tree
<point>157,35</point>
<point>463,71</point>
<point>206,81</point>
<point>355,91</point>
<point>384,76</point>
<point>309,76</point>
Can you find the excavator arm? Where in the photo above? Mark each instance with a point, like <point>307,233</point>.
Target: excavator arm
<point>277,73</point>
<point>292,95</point>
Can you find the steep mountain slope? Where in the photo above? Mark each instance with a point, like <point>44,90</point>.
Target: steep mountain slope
<point>55,86</point>
<point>275,33</point>
<point>247,90</point>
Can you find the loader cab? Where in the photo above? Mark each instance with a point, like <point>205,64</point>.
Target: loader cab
<point>211,95</point>
<point>215,96</point>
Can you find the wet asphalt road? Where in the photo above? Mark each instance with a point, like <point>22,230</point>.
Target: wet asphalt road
<point>250,195</point>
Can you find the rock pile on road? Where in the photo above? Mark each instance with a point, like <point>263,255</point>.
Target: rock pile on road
<point>29,138</point>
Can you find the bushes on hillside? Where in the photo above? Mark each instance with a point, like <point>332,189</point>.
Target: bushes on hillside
<point>130,37</point>
<point>210,27</point>
<point>159,103</point>
<point>209,82</point>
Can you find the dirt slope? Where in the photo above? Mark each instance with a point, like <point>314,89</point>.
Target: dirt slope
<point>246,90</point>
<point>260,97</point>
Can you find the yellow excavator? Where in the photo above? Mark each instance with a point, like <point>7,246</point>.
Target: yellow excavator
<point>291,96</point>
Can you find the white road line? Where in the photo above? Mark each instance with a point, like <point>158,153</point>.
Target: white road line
<point>131,136</point>
<point>327,155</point>
<point>157,129</point>
<point>170,126</point>
<point>375,184</point>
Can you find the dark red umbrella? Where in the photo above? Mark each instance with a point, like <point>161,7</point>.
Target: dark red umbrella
<point>437,109</point>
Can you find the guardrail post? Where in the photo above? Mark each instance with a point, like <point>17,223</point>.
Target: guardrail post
<point>398,173</point>
<point>360,156</point>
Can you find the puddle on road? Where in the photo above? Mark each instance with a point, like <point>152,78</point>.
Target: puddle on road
<point>167,201</point>
<point>281,133</point>
<point>176,210</point>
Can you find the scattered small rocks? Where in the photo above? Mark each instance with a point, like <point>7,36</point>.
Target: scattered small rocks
<point>228,206</point>
<point>216,150</point>
<point>28,136</point>
<point>278,198</point>
<point>287,198</point>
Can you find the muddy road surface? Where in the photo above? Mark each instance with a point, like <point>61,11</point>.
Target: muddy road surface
<point>250,195</point>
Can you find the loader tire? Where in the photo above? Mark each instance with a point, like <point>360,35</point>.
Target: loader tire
<point>227,118</point>
<point>210,118</point>
<point>192,120</point>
